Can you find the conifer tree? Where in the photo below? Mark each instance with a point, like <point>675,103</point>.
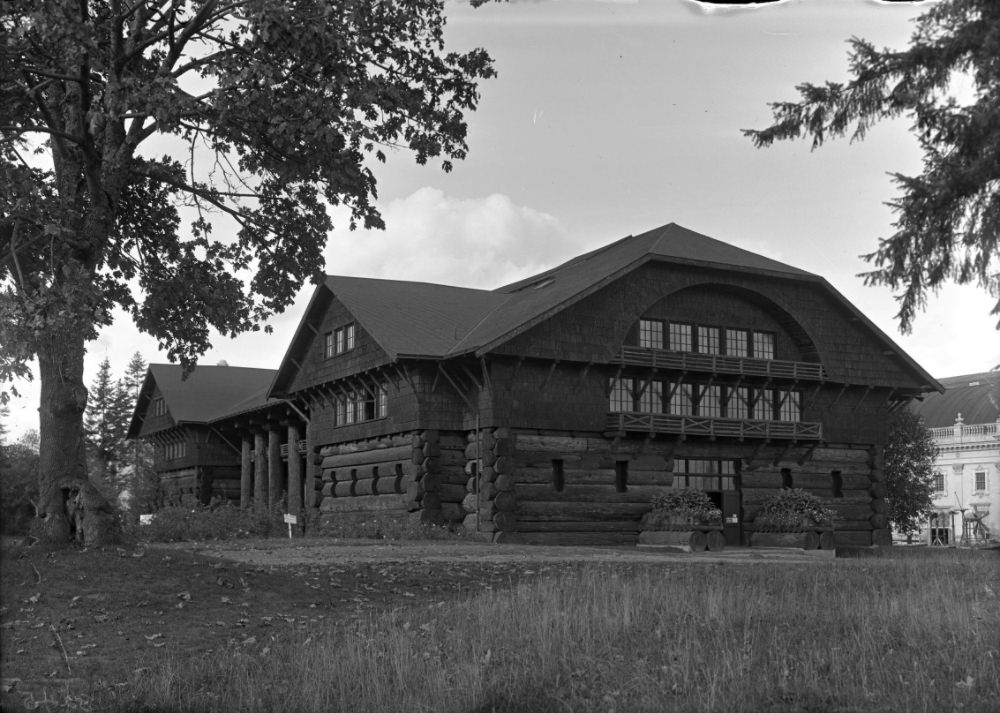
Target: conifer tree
<point>105,430</point>
<point>947,224</point>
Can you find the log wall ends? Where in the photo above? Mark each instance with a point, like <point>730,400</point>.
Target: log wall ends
<point>380,467</point>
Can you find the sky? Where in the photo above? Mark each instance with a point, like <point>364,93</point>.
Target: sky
<point>610,118</point>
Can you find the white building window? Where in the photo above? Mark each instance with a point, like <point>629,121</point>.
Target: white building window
<point>939,482</point>
<point>980,481</point>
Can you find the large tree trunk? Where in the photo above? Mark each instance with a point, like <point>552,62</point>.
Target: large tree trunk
<point>69,506</point>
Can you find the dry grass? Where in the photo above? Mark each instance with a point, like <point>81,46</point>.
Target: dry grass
<point>889,634</point>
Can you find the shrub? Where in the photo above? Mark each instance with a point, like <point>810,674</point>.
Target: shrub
<point>687,504</point>
<point>219,520</point>
<point>792,509</point>
<point>389,527</point>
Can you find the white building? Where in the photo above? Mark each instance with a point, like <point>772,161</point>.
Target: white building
<point>965,423</point>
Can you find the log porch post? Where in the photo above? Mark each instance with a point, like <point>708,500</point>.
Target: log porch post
<point>273,466</point>
<point>260,473</point>
<point>294,470</point>
<point>246,471</point>
<point>309,486</point>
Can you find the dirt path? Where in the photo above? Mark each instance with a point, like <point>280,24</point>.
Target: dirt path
<point>312,551</point>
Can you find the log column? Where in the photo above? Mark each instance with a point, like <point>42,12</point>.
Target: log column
<point>246,472</point>
<point>311,469</point>
<point>273,466</point>
<point>260,473</point>
<point>294,470</point>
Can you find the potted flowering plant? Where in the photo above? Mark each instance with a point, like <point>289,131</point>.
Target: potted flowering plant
<point>683,518</point>
<point>794,512</point>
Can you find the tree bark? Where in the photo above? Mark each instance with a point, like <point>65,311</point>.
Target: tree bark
<point>69,506</point>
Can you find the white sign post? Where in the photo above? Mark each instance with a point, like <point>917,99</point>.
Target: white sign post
<point>291,520</point>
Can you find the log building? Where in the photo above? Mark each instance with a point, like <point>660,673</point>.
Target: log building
<point>551,410</point>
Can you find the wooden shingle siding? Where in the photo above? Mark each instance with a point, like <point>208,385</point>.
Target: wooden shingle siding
<point>317,368</point>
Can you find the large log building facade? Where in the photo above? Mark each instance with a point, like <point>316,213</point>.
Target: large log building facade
<point>552,410</point>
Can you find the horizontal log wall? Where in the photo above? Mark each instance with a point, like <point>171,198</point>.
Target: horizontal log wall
<point>856,495</point>
<point>513,495</point>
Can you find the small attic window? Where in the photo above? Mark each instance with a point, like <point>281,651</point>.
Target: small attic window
<point>338,341</point>
<point>159,407</point>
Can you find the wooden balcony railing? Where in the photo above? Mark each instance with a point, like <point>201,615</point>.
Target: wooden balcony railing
<point>714,427</point>
<point>720,364</point>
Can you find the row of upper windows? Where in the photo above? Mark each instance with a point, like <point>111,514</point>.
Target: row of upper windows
<point>709,400</point>
<point>173,451</point>
<point>978,482</point>
<point>338,341</point>
<point>705,339</point>
<point>361,405</point>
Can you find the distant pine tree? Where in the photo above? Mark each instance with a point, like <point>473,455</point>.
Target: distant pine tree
<point>142,483</point>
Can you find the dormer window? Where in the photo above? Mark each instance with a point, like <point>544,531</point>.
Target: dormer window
<point>159,407</point>
<point>338,341</point>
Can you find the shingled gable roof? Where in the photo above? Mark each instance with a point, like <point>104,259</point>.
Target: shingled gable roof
<point>209,393</point>
<point>412,319</point>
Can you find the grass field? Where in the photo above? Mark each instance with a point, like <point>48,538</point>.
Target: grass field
<point>898,633</point>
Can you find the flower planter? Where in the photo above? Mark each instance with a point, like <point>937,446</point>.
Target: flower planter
<point>811,537</point>
<point>803,540</point>
<point>683,540</point>
<point>686,538</point>
<point>684,520</point>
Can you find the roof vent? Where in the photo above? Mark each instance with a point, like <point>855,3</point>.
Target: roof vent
<point>222,362</point>
<point>544,283</point>
<point>975,383</point>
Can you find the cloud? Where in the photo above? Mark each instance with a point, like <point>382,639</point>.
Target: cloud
<point>469,242</point>
<point>430,237</point>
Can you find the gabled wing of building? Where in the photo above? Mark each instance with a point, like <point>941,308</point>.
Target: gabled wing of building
<point>430,321</point>
<point>207,394</point>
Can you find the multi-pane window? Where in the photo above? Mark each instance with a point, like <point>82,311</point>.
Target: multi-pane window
<point>382,405</point>
<point>361,404</point>
<point>705,339</point>
<point>651,399</point>
<point>681,401</point>
<point>791,406</point>
<point>159,407</point>
<point>938,482</point>
<point>651,333</point>
<point>339,340</point>
<point>681,337</point>
<point>738,403</point>
<point>980,481</point>
<point>710,401</point>
<point>762,406</point>
<point>704,473</point>
<point>620,398</point>
<point>173,451</point>
<point>737,342</point>
<point>763,345</point>
<point>709,340</point>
